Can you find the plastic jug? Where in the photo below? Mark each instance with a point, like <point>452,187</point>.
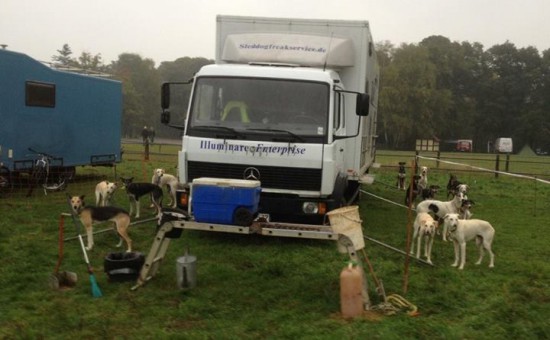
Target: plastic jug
<point>351,287</point>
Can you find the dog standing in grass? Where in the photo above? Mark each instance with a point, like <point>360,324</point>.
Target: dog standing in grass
<point>137,190</point>
<point>462,231</point>
<point>104,191</point>
<point>424,229</point>
<point>165,180</point>
<point>89,215</point>
<point>401,174</point>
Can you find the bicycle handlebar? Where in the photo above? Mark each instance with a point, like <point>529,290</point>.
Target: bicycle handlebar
<point>41,153</point>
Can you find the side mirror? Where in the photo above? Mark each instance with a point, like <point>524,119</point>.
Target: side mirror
<point>165,117</point>
<point>165,96</point>
<point>362,104</point>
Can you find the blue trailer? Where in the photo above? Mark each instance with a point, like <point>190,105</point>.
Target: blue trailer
<point>72,116</point>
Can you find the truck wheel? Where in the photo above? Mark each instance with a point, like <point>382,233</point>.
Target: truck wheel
<point>242,217</point>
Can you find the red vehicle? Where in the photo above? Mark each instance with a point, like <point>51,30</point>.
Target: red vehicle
<point>464,145</point>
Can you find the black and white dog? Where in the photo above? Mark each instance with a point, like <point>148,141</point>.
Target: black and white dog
<point>452,185</point>
<point>412,191</point>
<point>429,193</point>
<point>136,190</point>
<point>401,174</point>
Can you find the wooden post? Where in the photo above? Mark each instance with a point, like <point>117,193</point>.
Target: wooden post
<point>497,165</point>
<point>507,162</point>
<point>146,152</point>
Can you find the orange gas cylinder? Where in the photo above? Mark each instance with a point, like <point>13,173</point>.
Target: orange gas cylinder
<point>351,286</point>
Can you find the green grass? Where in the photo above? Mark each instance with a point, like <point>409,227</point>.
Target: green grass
<point>253,286</point>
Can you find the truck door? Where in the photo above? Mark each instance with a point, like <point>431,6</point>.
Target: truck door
<point>339,128</point>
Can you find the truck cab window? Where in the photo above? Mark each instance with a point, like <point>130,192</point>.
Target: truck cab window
<point>259,104</point>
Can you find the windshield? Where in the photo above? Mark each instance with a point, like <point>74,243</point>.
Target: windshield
<point>266,109</point>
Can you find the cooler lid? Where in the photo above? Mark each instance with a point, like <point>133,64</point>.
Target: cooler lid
<point>227,182</point>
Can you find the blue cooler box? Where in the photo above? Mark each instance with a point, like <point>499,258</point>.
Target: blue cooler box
<point>225,201</point>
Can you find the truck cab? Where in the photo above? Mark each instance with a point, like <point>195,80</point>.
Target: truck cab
<point>286,120</point>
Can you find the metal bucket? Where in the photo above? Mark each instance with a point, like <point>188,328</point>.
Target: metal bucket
<point>186,271</point>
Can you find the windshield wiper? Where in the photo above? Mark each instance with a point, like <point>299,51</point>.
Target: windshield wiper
<point>215,127</point>
<point>295,136</point>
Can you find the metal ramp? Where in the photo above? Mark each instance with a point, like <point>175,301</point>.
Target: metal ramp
<point>172,222</point>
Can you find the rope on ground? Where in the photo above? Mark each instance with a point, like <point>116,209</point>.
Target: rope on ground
<point>394,304</point>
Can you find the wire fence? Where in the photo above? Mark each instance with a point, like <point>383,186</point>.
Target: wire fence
<point>139,161</point>
<point>525,166</point>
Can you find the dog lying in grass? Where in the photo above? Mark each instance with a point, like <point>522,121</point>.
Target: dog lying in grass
<point>462,231</point>
<point>89,215</point>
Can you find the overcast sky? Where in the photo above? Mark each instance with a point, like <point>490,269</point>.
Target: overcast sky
<point>164,30</point>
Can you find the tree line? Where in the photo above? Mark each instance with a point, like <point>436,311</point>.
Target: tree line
<point>436,89</point>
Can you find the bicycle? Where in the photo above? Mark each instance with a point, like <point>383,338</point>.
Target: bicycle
<point>6,183</point>
<point>41,174</point>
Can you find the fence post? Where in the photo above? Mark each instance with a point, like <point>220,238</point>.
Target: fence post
<point>146,151</point>
<point>497,165</point>
<point>438,158</point>
<point>507,162</point>
<point>416,162</point>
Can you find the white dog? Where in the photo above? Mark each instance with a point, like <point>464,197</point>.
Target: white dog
<point>442,208</point>
<point>104,191</point>
<point>162,179</point>
<point>462,231</point>
<point>423,181</point>
<point>424,228</point>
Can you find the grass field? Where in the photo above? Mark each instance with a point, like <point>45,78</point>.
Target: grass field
<point>252,287</point>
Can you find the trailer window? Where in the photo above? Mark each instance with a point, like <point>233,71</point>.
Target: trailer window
<point>39,94</point>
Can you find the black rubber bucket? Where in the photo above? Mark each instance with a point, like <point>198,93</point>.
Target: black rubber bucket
<point>123,266</point>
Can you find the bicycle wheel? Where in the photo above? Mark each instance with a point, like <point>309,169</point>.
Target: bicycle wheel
<point>36,177</point>
<point>6,183</point>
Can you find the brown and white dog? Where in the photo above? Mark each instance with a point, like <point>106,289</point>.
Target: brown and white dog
<point>104,191</point>
<point>425,228</point>
<point>462,231</point>
<point>165,180</point>
<point>89,215</point>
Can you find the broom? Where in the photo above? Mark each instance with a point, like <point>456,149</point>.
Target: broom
<point>96,292</point>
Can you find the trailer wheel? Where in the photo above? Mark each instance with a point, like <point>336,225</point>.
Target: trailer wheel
<point>242,217</point>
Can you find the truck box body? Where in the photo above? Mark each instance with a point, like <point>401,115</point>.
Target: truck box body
<point>279,106</point>
<point>74,117</point>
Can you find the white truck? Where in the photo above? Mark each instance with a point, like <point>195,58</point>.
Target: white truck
<point>289,102</point>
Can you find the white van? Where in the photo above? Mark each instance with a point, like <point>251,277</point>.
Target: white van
<point>503,145</point>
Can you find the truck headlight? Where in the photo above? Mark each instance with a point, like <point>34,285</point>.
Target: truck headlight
<point>314,208</point>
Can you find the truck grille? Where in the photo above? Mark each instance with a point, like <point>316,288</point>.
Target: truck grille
<point>270,176</point>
